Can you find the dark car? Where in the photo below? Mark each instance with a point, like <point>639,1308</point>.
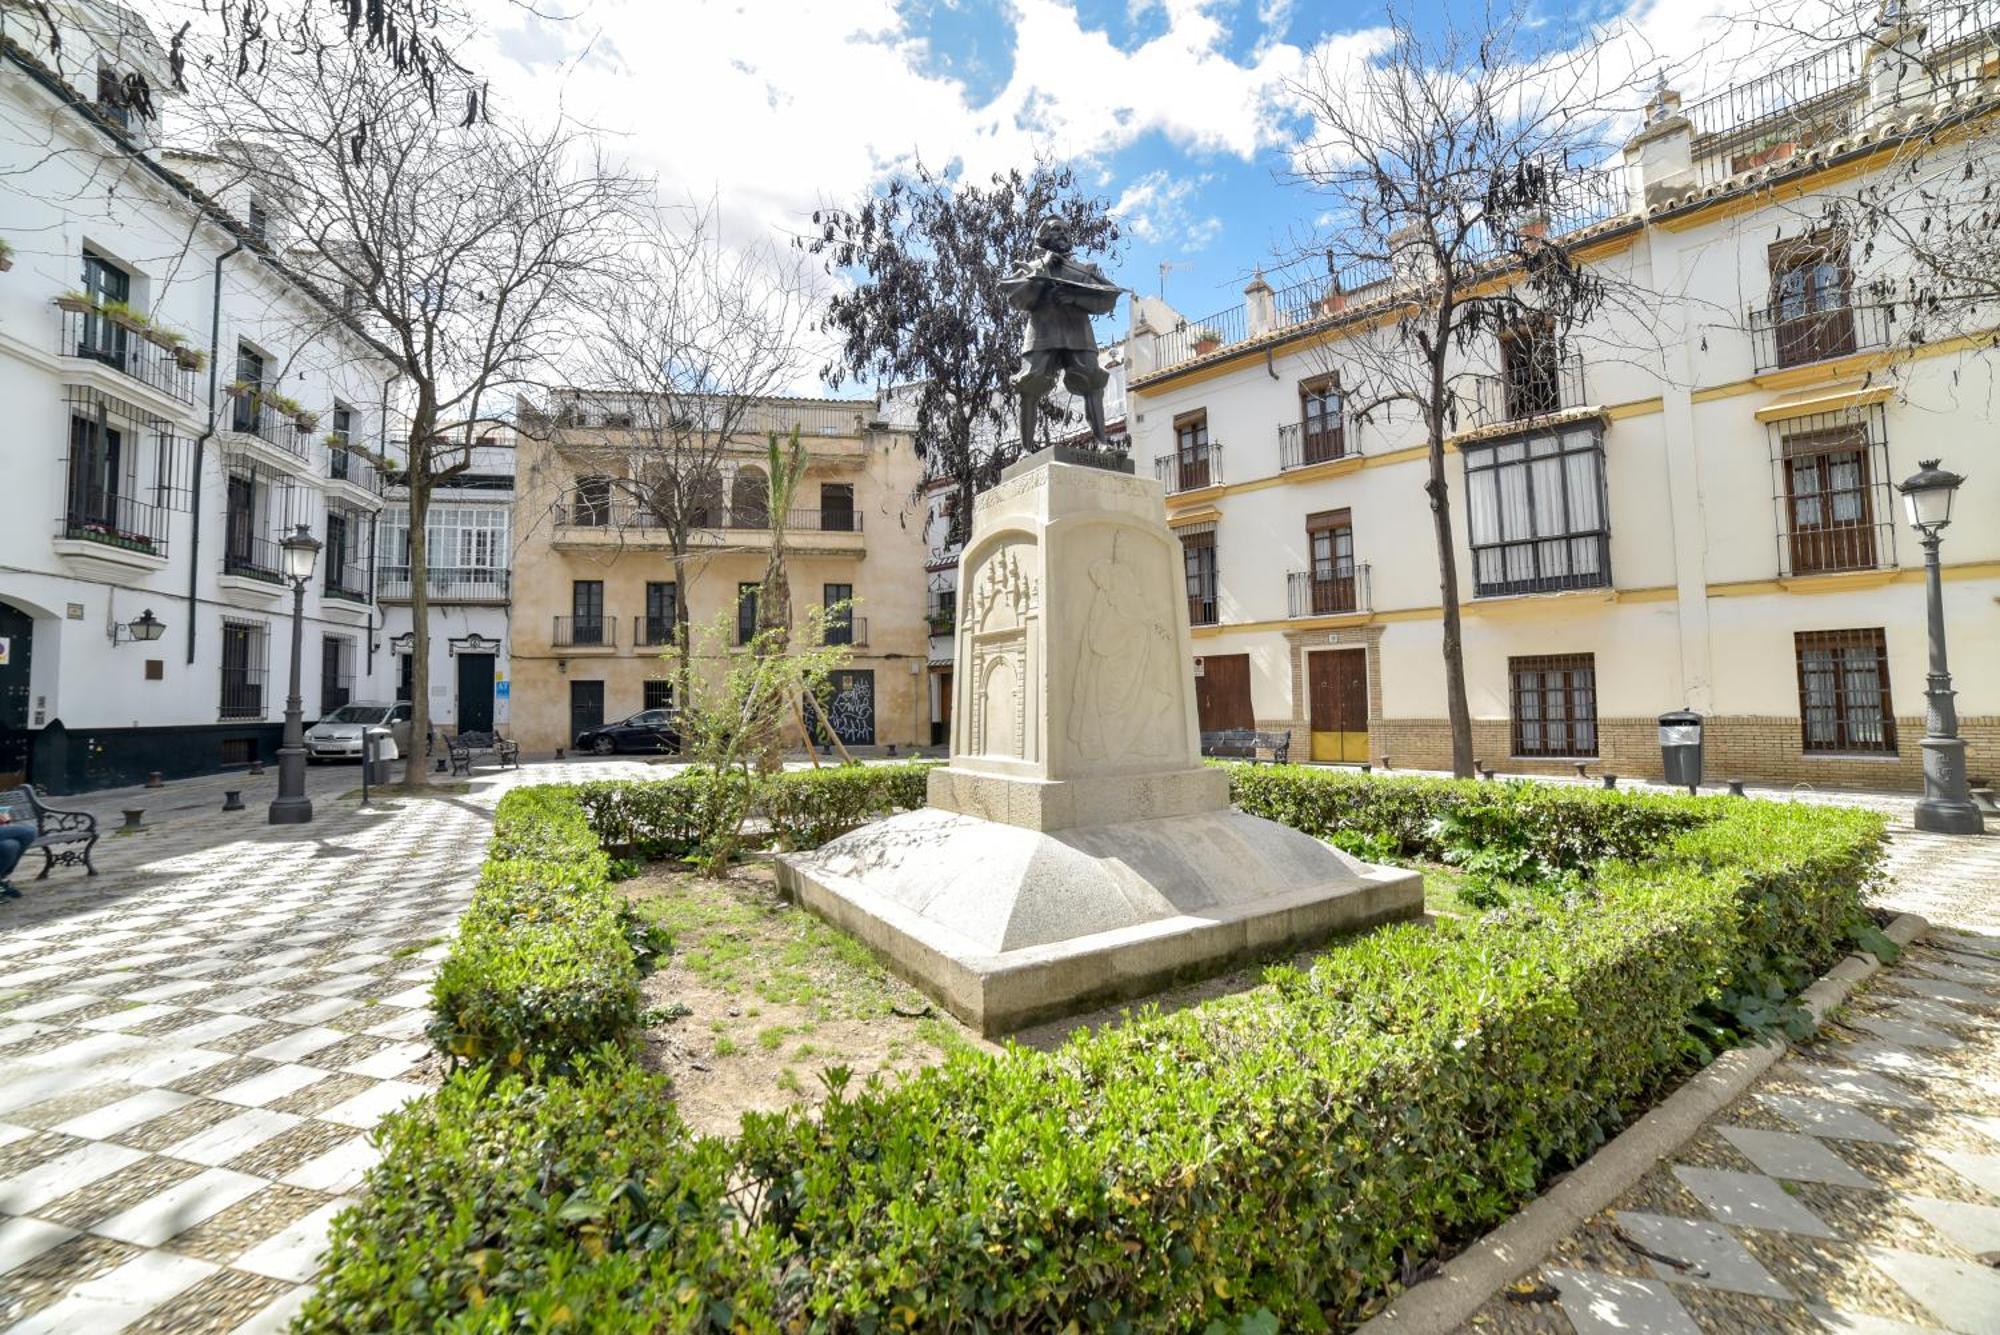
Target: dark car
<point>648,730</point>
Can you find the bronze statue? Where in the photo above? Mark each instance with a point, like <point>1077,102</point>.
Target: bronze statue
<point>1060,294</point>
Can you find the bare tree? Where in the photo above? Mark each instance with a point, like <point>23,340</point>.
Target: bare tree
<point>463,248</point>
<point>1453,175</point>
<point>690,339</point>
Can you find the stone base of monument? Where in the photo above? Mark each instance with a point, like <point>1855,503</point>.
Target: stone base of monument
<point>1007,925</point>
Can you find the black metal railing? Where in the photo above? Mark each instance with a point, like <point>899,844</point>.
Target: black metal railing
<point>575,632</point>
<point>1202,609</point>
<point>344,465</point>
<point>471,584</point>
<point>98,338</point>
<point>242,692</point>
<point>1534,384</point>
<point>115,521</point>
<point>1542,565</point>
<point>253,558</point>
<point>1782,336</point>
<point>347,583</point>
<point>250,416</point>
<point>942,618</point>
<point>652,632</point>
<point>1190,470</point>
<point>1303,443</point>
<point>849,630</point>
<point>335,691</point>
<point>1830,548</point>
<point>599,510</point>
<point>1328,590</point>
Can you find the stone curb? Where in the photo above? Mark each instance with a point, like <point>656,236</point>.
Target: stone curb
<point>1472,1277</point>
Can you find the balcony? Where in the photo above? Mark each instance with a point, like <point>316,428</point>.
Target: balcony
<point>344,465</point>
<point>347,584</point>
<point>852,631</point>
<point>1534,385</point>
<point>447,584</point>
<point>575,632</point>
<point>259,561</point>
<point>1797,334</point>
<point>1301,444</point>
<point>1541,565</point>
<point>1338,590</point>
<point>91,337</point>
<point>1190,470</point>
<point>248,416</point>
<point>942,621</point>
<point>653,632</point>
<point>112,535</point>
<point>589,520</point>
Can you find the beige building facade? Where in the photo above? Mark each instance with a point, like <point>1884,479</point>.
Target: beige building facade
<point>1711,524</point>
<point>594,589</point>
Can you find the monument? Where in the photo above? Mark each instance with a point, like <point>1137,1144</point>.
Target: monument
<point>1076,849</point>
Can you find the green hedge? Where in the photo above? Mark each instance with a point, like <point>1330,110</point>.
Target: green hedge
<point>804,808</point>
<point>1280,1154</point>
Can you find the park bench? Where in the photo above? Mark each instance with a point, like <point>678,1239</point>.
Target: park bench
<point>1248,744</point>
<point>63,836</point>
<point>468,747</point>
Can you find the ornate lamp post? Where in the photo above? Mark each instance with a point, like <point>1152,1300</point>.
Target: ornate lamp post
<point>1947,806</point>
<point>292,806</point>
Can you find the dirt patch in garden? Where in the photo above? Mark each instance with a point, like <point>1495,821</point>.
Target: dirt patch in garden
<point>758,998</point>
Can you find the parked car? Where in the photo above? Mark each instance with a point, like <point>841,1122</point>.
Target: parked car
<point>338,735</point>
<point>647,730</point>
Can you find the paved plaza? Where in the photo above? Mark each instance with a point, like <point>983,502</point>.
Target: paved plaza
<point>195,1044</point>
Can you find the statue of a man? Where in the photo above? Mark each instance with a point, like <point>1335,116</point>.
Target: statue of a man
<point>1060,294</point>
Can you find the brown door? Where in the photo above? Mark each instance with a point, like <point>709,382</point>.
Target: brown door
<point>941,731</point>
<point>1337,694</point>
<point>1222,693</point>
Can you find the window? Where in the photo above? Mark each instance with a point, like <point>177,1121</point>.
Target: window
<point>1330,538</point>
<point>658,695</point>
<point>249,372</point>
<point>1530,373</point>
<point>98,338</point>
<point>1555,705</point>
<point>1537,519</point>
<point>836,507</point>
<point>96,471</point>
<point>750,499</point>
<point>340,464</point>
<point>464,542</point>
<point>944,610</point>
<point>336,672</point>
<point>662,611</point>
<point>1189,467</point>
<point>1844,691</point>
<point>839,625</point>
<point>258,219</point>
<point>586,605</point>
<point>1834,507</point>
<point>1322,435</point>
<point>746,613</point>
<point>112,103</point>
<point>1198,564</point>
<point>592,507</point>
<point>243,657</point>
<point>1812,310</point>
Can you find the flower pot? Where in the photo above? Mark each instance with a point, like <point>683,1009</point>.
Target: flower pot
<point>75,305</point>
<point>306,422</point>
<point>1204,346</point>
<point>6,263</point>
<point>189,359</point>
<point>160,338</point>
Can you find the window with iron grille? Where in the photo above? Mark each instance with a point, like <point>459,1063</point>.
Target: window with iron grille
<point>746,613</point>
<point>1198,564</point>
<point>657,695</point>
<point>336,672</point>
<point>1832,478</point>
<point>244,657</point>
<point>1554,704</point>
<point>1537,516</point>
<point>1844,691</point>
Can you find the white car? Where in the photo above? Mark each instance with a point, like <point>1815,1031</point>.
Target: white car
<point>338,735</point>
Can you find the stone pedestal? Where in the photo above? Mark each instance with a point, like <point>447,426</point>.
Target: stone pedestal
<point>1076,849</point>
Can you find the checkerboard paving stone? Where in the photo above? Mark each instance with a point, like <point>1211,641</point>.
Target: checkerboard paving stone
<point>196,1044</point>
<point>1854,1188</point>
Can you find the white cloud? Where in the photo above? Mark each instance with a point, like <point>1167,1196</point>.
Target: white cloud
<point>1158,208</point>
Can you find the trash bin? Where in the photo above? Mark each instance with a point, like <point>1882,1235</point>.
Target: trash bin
<point>1680,748</point>
<point>378,749</point>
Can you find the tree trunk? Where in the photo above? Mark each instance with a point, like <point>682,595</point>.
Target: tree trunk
<point>418,484</point>
<point>1454,653</point>
<point>683,628</point>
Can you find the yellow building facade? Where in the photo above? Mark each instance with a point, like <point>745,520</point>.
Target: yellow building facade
<point>595,591</point>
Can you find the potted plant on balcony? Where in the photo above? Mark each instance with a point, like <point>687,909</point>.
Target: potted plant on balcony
<point>190,358</point>
<point>121,314</point>
<point>241,389</point>
<point>305,420</point>
<point>1205,340</point>
<point>6,255</point>
<point>76,303</point>
<point>1774,147</point>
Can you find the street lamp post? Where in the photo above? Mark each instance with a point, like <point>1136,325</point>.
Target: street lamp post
<point>1946,806</point>
<point>292,806</point>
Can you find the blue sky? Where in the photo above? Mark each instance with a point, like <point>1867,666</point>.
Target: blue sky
<point>1174,110</point>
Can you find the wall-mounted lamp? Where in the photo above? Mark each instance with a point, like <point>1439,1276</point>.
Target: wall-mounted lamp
<point>143,628</point>
<point>562,666</point>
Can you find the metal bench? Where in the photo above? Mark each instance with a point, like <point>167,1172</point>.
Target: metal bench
<point>63,836</point>
<point>467,747</point>
<point>1248,744</point>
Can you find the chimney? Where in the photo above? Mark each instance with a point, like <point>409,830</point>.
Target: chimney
<point>1260,307</point>
<point>1659,159</point>
<point>1898,82</point>
<point>1142,342</point>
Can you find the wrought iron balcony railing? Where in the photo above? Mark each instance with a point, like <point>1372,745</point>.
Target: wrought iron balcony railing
<point>1786,334</point>
<point>445,584</point>
<point>99,338</point>
<point>1190,470</point>
<point>1535,384</point>
<point>1304,443</point>
<point>1328,590</point>
<point>251,557</point>
<point>573,632</point>
<point>115,521</point>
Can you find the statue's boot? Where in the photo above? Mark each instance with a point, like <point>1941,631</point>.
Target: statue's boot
<point>1093,412</point>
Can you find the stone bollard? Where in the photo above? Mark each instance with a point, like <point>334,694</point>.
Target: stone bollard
<point>1367,768</point>
<point>1385,761</point>
<point>256,767</point>
<point>153,779</point>
<point>559,753</point>
<point>1736,788</point>
<point>232,799</point>
<point>1582,769</point>
<point>1610,781</point>
<point>133,817</point>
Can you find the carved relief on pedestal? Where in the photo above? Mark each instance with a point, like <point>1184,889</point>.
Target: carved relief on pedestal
<point>1003,604</point>
<point>1124,693</point>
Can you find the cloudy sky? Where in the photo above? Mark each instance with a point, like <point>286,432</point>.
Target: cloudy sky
<point>1174,109</point>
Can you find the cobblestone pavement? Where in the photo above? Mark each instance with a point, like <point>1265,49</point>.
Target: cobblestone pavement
<point>1855,1187</point>
<point>195,1043</point>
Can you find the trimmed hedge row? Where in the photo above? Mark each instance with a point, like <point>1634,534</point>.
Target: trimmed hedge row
<point>804,808</point>
<point>1281,1154</point>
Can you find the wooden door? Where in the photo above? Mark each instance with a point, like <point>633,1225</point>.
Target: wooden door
<point>1222,693</point>
<point>941,730</point>
<point>475,692</point>
<point>1337,696</point>
<point>17,645</point>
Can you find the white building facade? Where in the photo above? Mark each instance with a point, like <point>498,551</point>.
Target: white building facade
<point>1711,526</point>
<point>178,401</point>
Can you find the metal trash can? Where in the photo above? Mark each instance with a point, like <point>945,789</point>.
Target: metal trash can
<point>1680,748</point>
<point>378,749</point>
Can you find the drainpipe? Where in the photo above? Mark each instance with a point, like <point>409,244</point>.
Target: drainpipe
<point>214,368</point>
